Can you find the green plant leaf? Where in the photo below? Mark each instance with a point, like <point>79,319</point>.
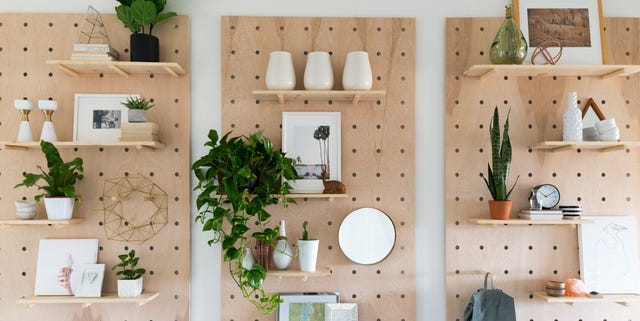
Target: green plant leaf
<point>143,12</point>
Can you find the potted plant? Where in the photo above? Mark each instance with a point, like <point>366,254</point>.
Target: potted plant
<point>130,283</point>
<point>138,107</point>
<point>59,190</point>
<point>237,180</point>
<point>139,16</point>
<point>307,250</point>
<point>498,170</point>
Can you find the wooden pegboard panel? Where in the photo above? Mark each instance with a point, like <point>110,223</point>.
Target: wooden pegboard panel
<point>377,150</point>
<point>27,41</point>
<point>523,257</point>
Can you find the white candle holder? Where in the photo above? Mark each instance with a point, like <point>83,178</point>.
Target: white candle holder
<point>24,106</point>
<point>48,131</point>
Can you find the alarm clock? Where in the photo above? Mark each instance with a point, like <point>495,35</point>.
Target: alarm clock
<point>545,196</point>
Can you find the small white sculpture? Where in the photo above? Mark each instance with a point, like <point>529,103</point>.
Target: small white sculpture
<point>572,120</point>
<point>48,131</point>
<point>24,106</point>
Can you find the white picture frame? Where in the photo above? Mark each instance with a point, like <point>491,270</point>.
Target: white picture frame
<point>298,143</point>
<point>98,117</point>
<point>582,50</point>
<point>341,312</point>
<point>299,306</point>
<point>60,262</point>
<point>609,255</point>
<point>90,285</point>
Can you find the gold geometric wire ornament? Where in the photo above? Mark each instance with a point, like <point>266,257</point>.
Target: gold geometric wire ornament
<point>93,30</point>
<point>135,209</point>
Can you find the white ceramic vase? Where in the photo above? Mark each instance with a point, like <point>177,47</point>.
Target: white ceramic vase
<point>282,253</point>
<point>308,254</point>
<point>248,260</point>
<point>356,74</point>
<point>318,73</point>
<point>59,208</point>
<point>130,288</point>
<point>280,72</point>
<point>572,120</point>
<point>24,106</point>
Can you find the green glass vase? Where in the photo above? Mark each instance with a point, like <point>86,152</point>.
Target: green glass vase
<point>509,46</point>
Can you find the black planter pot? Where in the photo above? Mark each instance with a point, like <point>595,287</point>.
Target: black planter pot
<point>144,47</point>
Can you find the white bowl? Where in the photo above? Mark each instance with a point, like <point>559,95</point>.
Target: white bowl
<point>610,135</point>
<point>26,215</point>
<point>25,204</point>
<point>605,124</point>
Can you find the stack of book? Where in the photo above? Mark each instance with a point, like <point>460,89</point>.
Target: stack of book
<point>139,132</point>
<point>91,51</point>
<point>529,214</point>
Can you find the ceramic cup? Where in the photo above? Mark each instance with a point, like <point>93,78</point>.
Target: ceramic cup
<point>318,73</point>
<point>356,74</point>
<point>280,72</point>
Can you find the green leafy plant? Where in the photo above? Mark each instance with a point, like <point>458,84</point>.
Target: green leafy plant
<point>136,15</point>
<point>138,103</point>
<point>61,177</point>
<point>497,176</point>
<point>305,234</point>
<point>128,266</point>
<point>237,180</point>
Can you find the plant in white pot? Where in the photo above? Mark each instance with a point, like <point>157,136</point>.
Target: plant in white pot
<point>59,190</point>
<point>137,109</point>
<point>307,250</point>
<point>130,284</point>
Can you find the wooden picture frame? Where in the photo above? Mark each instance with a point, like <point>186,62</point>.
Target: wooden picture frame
<point>98,117</point>
<point>576,24</point>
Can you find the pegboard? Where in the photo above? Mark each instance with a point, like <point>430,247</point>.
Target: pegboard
<point>377,151</point>
<point>27,41</point>
<point>523,257</point>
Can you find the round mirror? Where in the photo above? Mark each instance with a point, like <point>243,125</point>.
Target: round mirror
<point>367,236</point>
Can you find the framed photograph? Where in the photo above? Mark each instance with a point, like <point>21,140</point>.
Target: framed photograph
<point>312,139</point>
<point>60,264</point>
<point>305,306</point>
<point>341,312</point>
<point>90,285</point>
<point>98,117</point>
<point>576,24</point>
<point>609,255</point>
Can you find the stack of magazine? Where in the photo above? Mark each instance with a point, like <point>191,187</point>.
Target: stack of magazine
<point>94,51</point>
<point>551,214</point>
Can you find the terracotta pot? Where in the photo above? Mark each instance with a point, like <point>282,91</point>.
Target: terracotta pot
<point>500,210</point>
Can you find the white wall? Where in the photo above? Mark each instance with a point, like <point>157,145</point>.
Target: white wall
<point>205,97</point>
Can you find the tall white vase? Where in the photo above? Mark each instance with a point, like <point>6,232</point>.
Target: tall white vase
<point>248,260</point>
<point>280,72</point>
<point>356,74</point>
<point>318,73</point>
<point>282,253</point>
<point>572,120</point>
<point>308,254</point>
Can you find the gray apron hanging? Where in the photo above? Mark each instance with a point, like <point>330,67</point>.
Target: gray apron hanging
<point>490,305</point>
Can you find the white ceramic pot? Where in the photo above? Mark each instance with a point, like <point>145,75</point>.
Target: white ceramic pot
<point>356,74</point>
<point>282,252</point>
<point>308,254</point>
<point>59,208</point>
<point>248,260</point>
<point>129,288</point>
<point>280,72</point>
<point>318,73</point>
<point>137,116</point>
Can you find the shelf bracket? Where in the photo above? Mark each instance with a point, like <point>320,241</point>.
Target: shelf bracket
<point>119,71</point>
<point>488,73</point>
<point>67,70</point>
<point>86,305</point>
<point>356,99</point>
<point>613,148</point>
<point>280,98</point>
<point>171,71</point>
<point>614,73</point>
<point>570,303</point>
<point>563,148</point>
<point>623,303</point>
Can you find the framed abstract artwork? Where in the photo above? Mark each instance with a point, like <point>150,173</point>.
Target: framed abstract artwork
<point>60,264</point>
<point>305,306</point>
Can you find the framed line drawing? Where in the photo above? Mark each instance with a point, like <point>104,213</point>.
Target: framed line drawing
<point>98,117</point>
<point>576,24</point>
<point>313,141</point>
<point>305,306</point>
<point>90,285</point>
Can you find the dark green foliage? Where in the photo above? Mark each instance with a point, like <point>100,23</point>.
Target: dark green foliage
<point>127,265</point>
<point>497,177</point>
<point>138,103</point>
<point>305,234</point>
<point>137,14</point>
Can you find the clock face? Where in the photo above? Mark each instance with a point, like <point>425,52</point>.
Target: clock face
<point>547,195</point>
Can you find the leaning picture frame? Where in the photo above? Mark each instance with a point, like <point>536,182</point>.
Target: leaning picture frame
<point>313,141</point>
<point>305,306</point>
<point>576,24</point>
<point>98,117</point>
<point>90,284</point>
<point>341,312</point>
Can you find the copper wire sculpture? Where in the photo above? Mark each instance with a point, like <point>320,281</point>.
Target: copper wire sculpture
<point>543,50</point>
<point>137,225</point>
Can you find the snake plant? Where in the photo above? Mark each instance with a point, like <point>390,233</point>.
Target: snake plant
<point>498,170</point>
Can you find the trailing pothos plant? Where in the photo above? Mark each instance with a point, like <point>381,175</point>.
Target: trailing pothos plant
<point>237,180</point>
<point>497,177</point>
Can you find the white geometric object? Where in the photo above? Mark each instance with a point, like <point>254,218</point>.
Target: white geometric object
<point>59,208</point>
<point>130,288</point>
<point>572,120</point>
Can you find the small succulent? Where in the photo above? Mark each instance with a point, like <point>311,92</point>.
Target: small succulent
<point>138,103</point>
<point>127,265</point>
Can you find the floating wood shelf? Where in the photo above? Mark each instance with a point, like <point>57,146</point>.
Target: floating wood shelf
<point>350,95</point>
<point>601,71</point>
<point>137,145</point>
<point>72,221</point>
<point>623,299</point>
<point>601,146</point>
<point>298,273</point>
<point>122,68</point>
<point>488,221</point>
<point>318,196</point>
<point>107,298</point>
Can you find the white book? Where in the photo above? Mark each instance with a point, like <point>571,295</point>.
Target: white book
<point>551,217</point>
<point>541,212</point>
<point>94,47</point>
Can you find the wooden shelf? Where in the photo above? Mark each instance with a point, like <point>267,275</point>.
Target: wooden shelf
<point>137,145</point>
<point>122,68</point>
<point>601,146</point>
<point>298,273</point>
<point>72,221</point>
<point>600,71</point>
<point>350,95</point>
<point>318,196</point>
<point>624,299</point>
<point>107,298</point>
<point>488,221</point>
